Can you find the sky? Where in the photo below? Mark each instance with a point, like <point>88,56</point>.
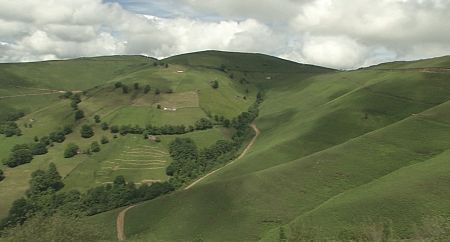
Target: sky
<point>342,34</point>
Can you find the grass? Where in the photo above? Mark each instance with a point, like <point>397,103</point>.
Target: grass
<point>96,76</point>
<point>336,148</point>
<point>364,125</point>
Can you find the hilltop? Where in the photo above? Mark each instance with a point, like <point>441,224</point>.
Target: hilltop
<point>338,151</point>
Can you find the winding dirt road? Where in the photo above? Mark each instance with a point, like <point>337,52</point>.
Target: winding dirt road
<point>244,152</point>
<point>120,222</point>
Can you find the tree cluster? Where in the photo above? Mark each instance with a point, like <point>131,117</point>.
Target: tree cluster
<point>8,126</point>
<point>2,175</point>
<point>45,198</point>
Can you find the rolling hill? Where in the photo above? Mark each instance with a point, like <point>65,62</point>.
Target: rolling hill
<point>338,150</point>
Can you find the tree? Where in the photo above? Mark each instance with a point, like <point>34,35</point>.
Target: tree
<point>74,105</point>
<point>119,181</point>
<point>79,114</point>
<point>147,88</point>
<point>166,65</point>
<point>17,214</point>
<point>54,178</point>
<point>67,94</point>
<point>71,150</point>
<point>136,86</point>
<point>203,123</point>
<point>124,89</point>
<point>97,118</point>
<point>158,106</point>
<point>95,147</point>
<point>67,130</point>
<point>104,140</point>
<point>86,131</point>
<point>18,157</point>
<point>39,149</point>
<point>2,175</point>
<point>114,129</point>
<point>76,98</point>
<point>58,137</point>
<point>118,85</point>
<point>215,84</point>
<point>157,91</point>
<point>104,126</point>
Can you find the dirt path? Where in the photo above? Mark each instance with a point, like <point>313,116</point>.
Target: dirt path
<point>50,91</point>
<point>244,152</point>
<point>120,222</point>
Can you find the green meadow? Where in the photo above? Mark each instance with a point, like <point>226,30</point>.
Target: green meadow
<point>338,150</point>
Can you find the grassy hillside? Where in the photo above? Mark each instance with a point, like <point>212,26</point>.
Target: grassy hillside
<point>337,150</point>
<point>322,136</point>
<point>36,89</point>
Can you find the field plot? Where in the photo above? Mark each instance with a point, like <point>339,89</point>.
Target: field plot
<point>144,163</point>
<point>131,156</point>
<point>146,115</point>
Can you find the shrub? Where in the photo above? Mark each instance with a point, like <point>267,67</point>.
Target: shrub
<point>147,88</point>
<point>19,156</point>
<point>79,114</point>
<point>104,126</point>
<point>114,129</point>
<point>97,119</point>
<point>104,140</point>
<point>95,147</point>
<point>86,131</point>
<point>71,150</point>
<point>39,149</point>
<point>118,85</point>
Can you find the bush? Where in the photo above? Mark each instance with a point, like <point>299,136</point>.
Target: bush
<point>215,84</point>
<point>58,137</point>
<point>86,131</point>
<point>124,89</point>
<point>71,150</point>
<point>104,126</point>
<point>136,86</point>
<point>114,129</point>
<point>104,140</point>
<point>118,85</point>
<point>147,89</point>
<point>39,149</point>
<point>67,130</point>
<point>19,156</point>
<point>203,123</point>
<point>79,114</point>
<point>97,119</point>
<point>95,147</point>
<point>2,175</point>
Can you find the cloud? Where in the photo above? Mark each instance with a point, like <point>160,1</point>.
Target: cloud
<point>334,33</point>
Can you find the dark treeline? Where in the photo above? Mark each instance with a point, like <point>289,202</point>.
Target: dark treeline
<point>45,198</point>
<point>189,162</point>
<point>8,126</point>
<point>201,124</point>
<point>23,153</point>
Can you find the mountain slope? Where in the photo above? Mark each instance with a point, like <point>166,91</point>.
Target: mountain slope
<point>321,135</point>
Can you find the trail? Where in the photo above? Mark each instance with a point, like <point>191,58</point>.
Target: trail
<point>244,152</point>
<point>120,222</point>
<point>50,91</point>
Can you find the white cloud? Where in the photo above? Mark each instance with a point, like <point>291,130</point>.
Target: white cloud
<point>334,33</point>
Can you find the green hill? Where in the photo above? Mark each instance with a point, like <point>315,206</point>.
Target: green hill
<point>338,151</point>
<point>323,138</point>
